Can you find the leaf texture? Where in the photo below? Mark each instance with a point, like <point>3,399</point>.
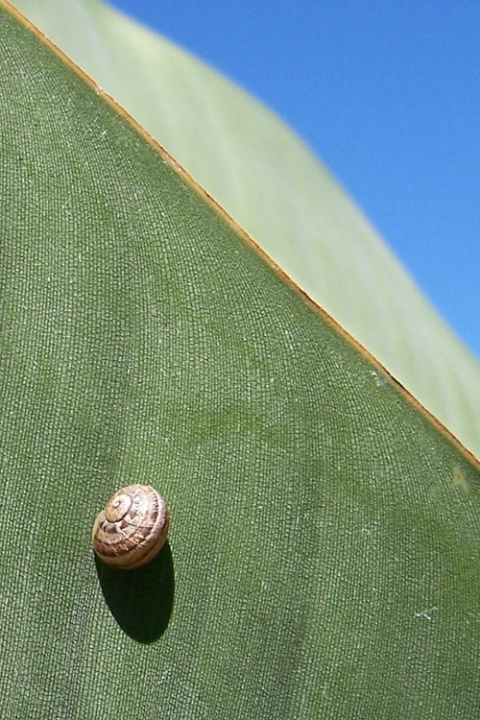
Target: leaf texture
<point>272,185</point>
<point>323,558</point>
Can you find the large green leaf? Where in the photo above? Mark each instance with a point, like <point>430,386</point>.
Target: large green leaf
<point>324,550</point>
<point>272,185</point>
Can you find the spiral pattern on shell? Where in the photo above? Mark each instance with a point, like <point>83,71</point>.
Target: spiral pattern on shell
<point>132,528</point>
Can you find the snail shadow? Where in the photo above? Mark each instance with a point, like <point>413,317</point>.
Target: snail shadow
<point>140,600</point>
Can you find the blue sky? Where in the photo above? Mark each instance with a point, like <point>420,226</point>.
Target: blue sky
<point>387,95</point>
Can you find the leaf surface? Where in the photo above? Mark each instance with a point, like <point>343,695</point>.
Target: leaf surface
<point>277,190</point>
<point>323,558</point>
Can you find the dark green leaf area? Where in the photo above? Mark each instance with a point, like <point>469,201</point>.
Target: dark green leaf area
<point>323,556</point>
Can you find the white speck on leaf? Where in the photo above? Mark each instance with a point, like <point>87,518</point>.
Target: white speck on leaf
<point>427,614</point>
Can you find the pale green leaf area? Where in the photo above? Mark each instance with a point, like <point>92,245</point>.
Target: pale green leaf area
<point>324,553</point>
<point>279,192</point>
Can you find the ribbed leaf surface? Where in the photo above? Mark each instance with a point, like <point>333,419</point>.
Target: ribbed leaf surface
<point>324,551</point>
<point>273,186</point>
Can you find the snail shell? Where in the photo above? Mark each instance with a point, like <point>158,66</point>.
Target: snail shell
<point>132,528</point>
